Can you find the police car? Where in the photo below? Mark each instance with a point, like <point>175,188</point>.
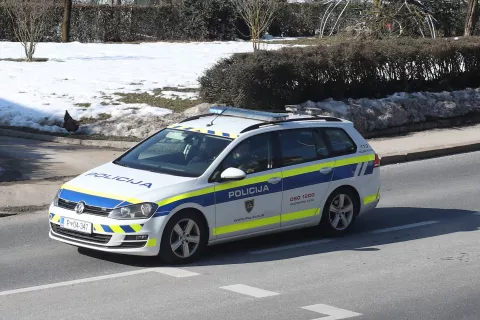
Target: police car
<point>229,174</point>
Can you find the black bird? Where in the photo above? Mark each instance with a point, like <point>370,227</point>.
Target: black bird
<point>69,123</point>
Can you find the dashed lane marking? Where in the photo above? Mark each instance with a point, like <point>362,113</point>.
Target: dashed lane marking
<point>250,291</point>
<point>174,272</point>
<point>291,246</point>
<point>332,313</point>
<point>407,226</point>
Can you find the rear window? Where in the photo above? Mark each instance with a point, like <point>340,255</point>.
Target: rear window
<point>340,142</point>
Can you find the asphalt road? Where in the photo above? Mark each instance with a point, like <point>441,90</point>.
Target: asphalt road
<point>426,267</point>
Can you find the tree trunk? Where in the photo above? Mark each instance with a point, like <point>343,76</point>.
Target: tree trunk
<point>472,15</point>
<point>67,14</point>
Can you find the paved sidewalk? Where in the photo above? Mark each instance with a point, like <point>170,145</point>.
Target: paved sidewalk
<point>436,138</point>
<point>38,160</point>
<point>26,159</point>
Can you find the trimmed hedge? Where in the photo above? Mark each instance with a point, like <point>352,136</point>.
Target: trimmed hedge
<point>367,69</point>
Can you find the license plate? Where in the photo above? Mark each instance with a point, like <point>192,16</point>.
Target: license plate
<point>76,225</point>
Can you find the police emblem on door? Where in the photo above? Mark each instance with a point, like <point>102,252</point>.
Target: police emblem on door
<point>249,205</point>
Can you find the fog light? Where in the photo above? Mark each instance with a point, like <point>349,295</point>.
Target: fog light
<point>137,237</point>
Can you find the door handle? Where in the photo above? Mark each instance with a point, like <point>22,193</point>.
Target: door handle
<point>274,180</point>
<point>325,170</point>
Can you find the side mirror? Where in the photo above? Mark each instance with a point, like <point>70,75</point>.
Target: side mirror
<point>232,174</point>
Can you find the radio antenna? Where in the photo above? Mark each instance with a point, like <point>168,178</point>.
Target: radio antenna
<point>211,123</point>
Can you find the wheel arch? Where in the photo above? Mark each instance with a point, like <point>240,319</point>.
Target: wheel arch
<point>200,213</point>
<point>350,188</point>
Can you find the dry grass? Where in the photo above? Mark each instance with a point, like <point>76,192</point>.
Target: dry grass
<point>156,100</point>
<point>101,117</point>
<point>83,105</point>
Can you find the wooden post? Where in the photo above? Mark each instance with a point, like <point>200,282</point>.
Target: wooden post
<point>67,14</point>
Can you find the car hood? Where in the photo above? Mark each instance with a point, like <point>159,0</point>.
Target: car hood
<point>111,185</point>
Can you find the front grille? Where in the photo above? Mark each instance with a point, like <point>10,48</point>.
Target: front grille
<point>93,237</point>
<point>88,209</point>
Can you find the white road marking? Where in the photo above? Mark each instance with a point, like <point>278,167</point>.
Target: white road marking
<point>332,313</point>
<point>79,281</point>
<point>174,272</point>
<point>291,246</point>
<point>407,226</point>
<point>250,291</point>
<point>476,213</point>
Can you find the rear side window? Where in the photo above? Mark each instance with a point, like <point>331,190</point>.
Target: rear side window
<point>302,145</point>
<point>340,142</point>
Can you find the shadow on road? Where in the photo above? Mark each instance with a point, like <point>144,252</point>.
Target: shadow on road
<point>360,238</point>
<point>21,161</point>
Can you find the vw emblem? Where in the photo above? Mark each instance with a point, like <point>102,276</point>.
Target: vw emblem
<point>80,207</point>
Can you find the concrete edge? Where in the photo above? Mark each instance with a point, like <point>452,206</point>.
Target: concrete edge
<point>428,153</point>
<point>6,214</point>
<point>21,210</point>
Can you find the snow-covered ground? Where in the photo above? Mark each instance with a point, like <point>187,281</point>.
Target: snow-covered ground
<point>83,79</point>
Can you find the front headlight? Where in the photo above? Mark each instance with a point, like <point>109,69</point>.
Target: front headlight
<point>57,196</point>
<point>136,211</point>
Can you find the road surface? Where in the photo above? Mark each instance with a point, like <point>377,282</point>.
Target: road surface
<point>415,257</point>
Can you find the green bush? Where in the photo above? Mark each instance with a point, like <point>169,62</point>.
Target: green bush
<point>367,69</point>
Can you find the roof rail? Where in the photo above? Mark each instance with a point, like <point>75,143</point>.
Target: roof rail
<point>258,125</point>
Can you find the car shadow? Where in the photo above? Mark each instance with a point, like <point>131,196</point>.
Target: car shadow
<point>360,238</point>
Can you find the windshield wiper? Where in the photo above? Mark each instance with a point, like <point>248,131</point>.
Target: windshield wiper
<point>120,164</point>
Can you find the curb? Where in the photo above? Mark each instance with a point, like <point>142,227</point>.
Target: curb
<point>5,214</point>
<point>71,141</point>
<point>428,153</point>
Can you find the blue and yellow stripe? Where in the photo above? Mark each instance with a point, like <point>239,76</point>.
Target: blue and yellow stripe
<point>95,198</point>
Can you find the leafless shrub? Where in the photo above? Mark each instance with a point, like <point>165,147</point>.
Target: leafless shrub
<point>258,15</point>
<point>30,21</point>
<point>384,18</point>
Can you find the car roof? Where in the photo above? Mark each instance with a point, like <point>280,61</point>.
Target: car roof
<point>230,122</point>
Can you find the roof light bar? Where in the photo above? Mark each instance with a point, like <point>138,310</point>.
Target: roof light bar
<point>249,114</point>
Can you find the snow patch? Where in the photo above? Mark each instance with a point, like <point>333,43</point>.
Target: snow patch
<point>400,109</point>
<point>83,78</point>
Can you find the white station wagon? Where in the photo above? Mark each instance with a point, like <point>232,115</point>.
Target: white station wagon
<point>230,174</point>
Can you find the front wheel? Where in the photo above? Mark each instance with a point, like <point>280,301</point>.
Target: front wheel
<point>184,238</point>
<point>339,212</point>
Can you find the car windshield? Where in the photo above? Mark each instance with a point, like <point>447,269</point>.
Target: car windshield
<point>176,152</point>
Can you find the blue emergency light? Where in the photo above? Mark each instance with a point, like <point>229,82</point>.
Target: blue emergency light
<point>248,114</point>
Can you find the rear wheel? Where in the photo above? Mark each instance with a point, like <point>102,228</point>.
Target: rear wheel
<point>184,238</point>
<point>340,212</point>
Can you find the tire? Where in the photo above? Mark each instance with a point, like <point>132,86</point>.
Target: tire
<point>174,244</point>
<point>332,223</point>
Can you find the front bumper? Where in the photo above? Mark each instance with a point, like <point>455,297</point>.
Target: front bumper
<point>108,235</point>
